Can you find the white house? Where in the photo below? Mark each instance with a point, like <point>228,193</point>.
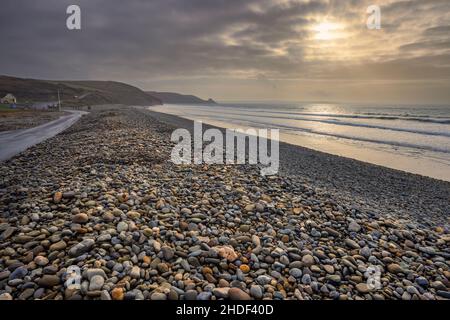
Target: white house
<point>9,99</point>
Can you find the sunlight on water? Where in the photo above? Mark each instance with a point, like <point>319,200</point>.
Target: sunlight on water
<point>413,139</point>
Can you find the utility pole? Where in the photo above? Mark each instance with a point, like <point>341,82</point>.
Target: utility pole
<point>59,102</point>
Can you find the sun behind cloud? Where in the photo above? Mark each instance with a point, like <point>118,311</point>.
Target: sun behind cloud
<point>328,30</point>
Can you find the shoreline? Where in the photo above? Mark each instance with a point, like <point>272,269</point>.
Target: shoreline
<point>349,178</point>
<point>393,151</point>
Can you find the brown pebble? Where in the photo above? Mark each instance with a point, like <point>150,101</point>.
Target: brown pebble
<point>117,294</point>
<point>238,294</point>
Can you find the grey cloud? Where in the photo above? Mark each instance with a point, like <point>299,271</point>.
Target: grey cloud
<point>426,45</point>
<point>150,42</point>
<point>440,31</point>
<point>159,36</point>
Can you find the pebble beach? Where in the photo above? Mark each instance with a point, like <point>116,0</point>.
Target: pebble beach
<point>104,197</point>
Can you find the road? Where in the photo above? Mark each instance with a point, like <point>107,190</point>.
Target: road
<point>14,142</point>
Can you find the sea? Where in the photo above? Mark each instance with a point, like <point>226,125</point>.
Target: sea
<point>415,139</point>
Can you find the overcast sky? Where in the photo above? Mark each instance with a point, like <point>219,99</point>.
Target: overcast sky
<point>238,49</point>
